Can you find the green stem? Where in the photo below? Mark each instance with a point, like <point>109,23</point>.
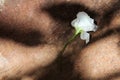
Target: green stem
<point>69,41</point>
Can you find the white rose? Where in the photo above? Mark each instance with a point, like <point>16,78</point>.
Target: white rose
<point>83,24</point>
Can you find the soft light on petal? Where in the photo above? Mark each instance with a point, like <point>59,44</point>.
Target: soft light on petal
<point>85,36</point>
<point>84,23</point>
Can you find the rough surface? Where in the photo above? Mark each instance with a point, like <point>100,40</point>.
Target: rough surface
<point>32,33</point>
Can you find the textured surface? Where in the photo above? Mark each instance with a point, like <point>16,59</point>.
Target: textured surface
<point>32,33</point>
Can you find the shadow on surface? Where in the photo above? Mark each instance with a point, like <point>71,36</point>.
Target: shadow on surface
<point>66,12</point>
<point>109,14</point>
<point>28,37</point>
<point>62,70</point>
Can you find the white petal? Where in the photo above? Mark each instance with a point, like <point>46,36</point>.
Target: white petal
<point>85,36</point>
<point>84,22</point>
<point>82,14</point>
<point>74,23</point>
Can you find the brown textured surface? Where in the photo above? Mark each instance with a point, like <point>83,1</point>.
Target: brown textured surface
<point>32,33</point>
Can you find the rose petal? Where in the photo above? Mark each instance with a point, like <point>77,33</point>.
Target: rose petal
<point>85,36</point>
